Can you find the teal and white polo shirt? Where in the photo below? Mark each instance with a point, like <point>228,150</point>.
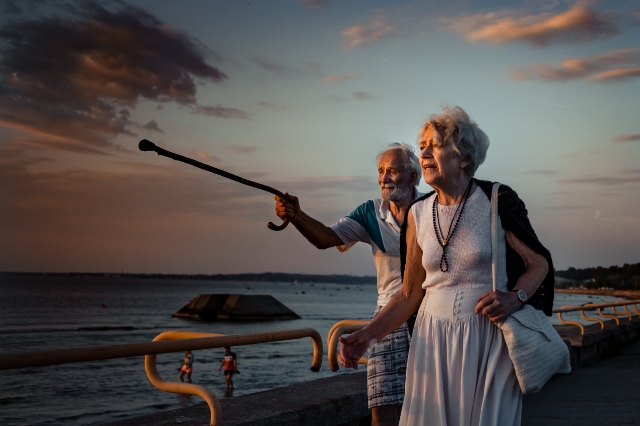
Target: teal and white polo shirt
<point>373,223</point>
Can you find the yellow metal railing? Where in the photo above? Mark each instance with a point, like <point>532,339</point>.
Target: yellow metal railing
<point>170,341</point>
<point>351,326</point>
<point>599,307</point>
<point>338,329</point>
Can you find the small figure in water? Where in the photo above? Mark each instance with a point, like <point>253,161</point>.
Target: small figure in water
<point>187,366</point>
<point>230,364</point>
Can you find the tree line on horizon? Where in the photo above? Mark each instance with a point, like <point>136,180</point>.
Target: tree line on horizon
<point>625,277</point>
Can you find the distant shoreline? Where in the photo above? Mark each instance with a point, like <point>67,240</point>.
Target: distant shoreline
<point>629,294</point>
<point>264,277</point>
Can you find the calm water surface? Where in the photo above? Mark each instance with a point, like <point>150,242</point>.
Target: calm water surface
<point>38,313</point>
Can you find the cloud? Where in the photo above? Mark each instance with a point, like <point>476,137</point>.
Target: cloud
<point>243,149</point>
<point>541,172</point>
<point>603,180</point>
<point>339,78</point>
<point>361,34</point>
<point>271,106</point>
<point>627,138</point>
<point>66,79</point>
<point>219,111</point>
<point>273,67</point>
<point>611,66</point>
<point>152,125</point>
<point>361,96</point>
<point>206,156</point>
<point>577,24</point>
<point>315,4</point>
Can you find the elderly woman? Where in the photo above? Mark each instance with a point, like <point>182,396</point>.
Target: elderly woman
<point>459,371</point>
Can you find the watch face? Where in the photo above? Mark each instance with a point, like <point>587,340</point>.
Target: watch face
<point>522,295</point>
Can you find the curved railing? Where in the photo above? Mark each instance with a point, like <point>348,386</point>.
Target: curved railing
<point>338,329</point>
<point>351,326</point>
<point>167,342</point>
<point>599,307</point>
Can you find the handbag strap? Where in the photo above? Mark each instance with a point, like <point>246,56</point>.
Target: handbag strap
<point>494,234</point>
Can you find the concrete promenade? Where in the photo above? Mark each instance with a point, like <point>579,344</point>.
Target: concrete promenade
<point>605,393</point>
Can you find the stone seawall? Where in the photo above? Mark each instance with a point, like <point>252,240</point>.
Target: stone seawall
<point>342,400</point>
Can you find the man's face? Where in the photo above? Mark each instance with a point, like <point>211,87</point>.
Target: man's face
<point>394,179</point>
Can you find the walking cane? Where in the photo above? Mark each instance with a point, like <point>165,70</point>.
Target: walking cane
<point>146,145</point>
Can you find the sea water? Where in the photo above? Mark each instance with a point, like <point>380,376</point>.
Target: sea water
<point>54,312</point>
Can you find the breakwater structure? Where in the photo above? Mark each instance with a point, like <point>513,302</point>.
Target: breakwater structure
<point>339,400</point>
<point>235,307</point>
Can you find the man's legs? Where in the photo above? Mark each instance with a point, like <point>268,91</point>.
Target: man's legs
<point>385,415</point>
<point>386,374</point>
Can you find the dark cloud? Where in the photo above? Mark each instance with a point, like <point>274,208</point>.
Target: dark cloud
<point>270,106</point>
<point>10,7</point>
<point>627,138</point>
<point>152,125</point>
<point>66,78</point>
<point>361,96</point>
<point>219,111</point>
<point>273,67</point>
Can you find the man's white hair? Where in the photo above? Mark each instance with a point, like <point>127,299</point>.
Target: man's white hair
<point>409,159</point>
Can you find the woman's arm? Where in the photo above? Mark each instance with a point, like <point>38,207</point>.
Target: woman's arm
<point>399,309</point>
<point>499,305</point>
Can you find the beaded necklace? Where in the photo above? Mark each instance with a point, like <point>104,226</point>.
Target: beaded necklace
<point>442,240</point>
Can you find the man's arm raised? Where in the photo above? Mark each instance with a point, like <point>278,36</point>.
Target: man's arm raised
<point>316,232</point>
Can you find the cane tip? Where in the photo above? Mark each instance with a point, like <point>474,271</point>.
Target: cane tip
<point>146,145</point>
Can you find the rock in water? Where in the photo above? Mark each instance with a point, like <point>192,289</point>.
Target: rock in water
<point>236,307</point>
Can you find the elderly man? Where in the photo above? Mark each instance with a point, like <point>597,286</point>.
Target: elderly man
<point>377,223</point>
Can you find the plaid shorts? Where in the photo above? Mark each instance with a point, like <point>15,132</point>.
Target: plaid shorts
<point>387,367</point>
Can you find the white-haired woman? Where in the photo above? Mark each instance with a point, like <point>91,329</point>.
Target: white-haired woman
<point>459,371</point>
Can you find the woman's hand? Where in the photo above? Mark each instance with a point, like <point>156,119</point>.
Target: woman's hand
<point>353,347</point>
<point>497,305</point>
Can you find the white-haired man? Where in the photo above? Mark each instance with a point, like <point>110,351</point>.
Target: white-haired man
<point>377,223</point>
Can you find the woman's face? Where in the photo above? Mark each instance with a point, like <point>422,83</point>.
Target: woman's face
<point>441,165</point>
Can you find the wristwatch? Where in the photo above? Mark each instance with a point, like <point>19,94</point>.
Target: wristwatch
<point>521,295</point>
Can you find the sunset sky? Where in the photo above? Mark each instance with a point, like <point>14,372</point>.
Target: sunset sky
<point>301,95</point>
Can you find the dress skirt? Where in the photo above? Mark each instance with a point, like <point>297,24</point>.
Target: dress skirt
<point>458,370</point>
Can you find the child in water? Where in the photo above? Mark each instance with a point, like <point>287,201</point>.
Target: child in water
<point>187,366</point>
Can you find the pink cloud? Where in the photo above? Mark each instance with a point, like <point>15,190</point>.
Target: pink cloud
<point>611,66</point>
<point>578,24</point>
<point>339,78</point>
<point>360,34</point>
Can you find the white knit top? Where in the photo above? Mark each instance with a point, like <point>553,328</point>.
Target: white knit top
<point>469,251</point>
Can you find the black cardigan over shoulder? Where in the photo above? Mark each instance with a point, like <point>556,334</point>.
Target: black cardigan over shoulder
<point>514,218</point>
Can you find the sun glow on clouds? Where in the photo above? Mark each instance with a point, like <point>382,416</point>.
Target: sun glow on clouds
<point>616,65</point>
<point>361,34</point>
<point>578,24</point>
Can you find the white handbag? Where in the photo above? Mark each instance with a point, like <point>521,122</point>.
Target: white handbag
<point>535,348</point>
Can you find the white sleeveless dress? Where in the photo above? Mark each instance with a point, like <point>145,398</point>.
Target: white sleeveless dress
<point>459,371</point>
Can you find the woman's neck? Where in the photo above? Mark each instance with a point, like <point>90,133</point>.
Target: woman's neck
<point>453,193</point>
